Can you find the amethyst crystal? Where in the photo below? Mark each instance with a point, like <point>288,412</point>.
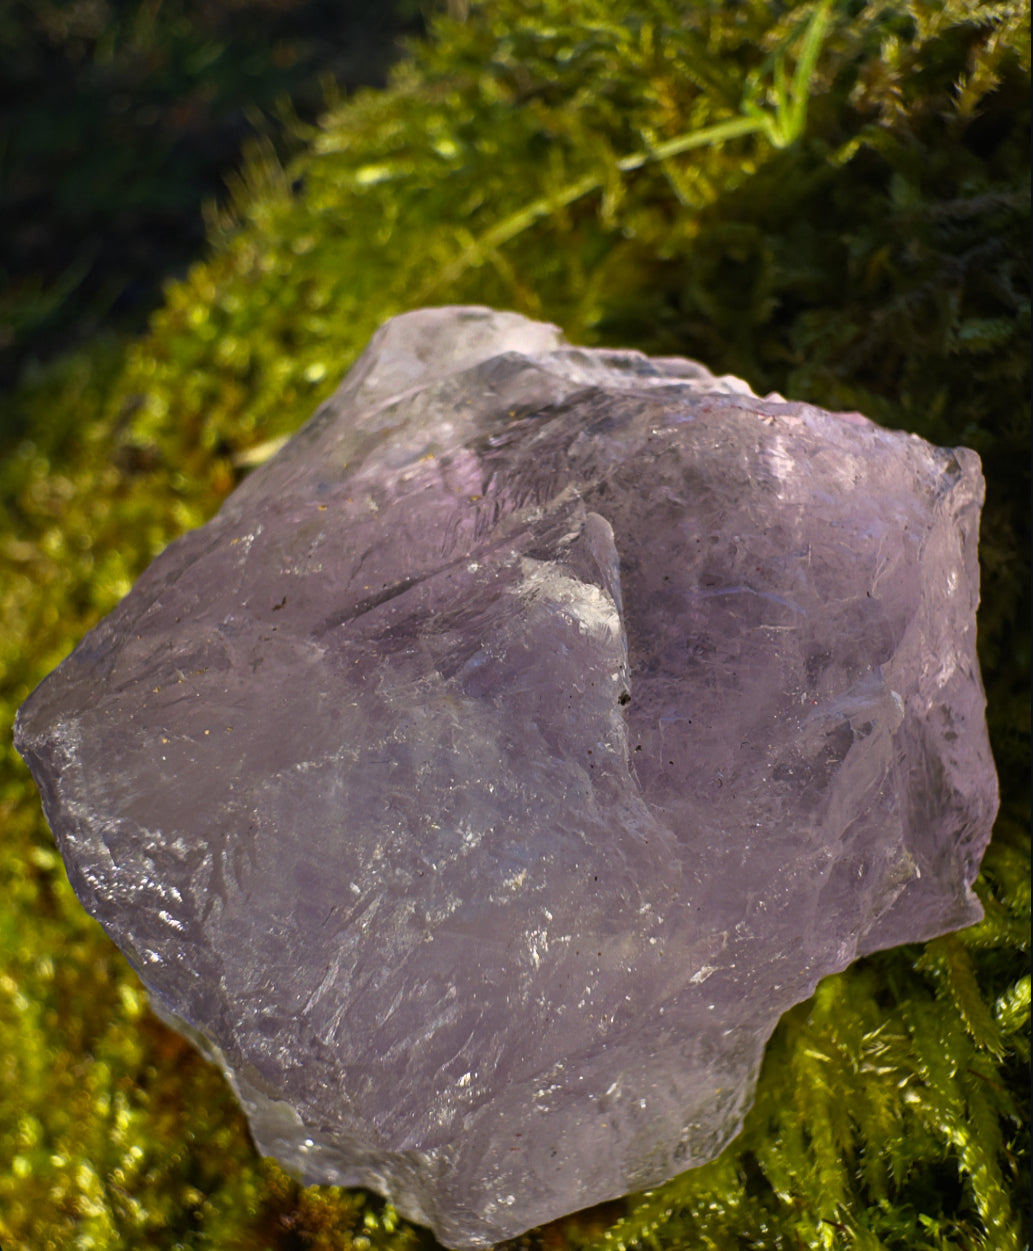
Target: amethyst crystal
<point>481,784</point>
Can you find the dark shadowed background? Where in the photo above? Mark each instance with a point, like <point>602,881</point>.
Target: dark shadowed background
<point>123,118</point>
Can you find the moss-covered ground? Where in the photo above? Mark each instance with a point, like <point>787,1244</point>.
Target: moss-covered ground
<point>829,199</point>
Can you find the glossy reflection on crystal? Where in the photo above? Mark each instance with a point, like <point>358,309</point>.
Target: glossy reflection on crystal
<point>484,781</point>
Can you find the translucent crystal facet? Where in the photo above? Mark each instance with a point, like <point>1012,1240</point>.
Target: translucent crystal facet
<point>513,748</point>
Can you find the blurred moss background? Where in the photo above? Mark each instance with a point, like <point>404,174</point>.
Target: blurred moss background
<point>122,118</point>
<point>830,199</point>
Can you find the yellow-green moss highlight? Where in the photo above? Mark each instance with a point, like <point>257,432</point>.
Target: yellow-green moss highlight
<point>831,200</point>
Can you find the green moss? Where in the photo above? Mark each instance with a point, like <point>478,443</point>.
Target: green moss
<point>670,175</point>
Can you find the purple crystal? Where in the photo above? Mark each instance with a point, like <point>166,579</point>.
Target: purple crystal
<point>484,781</point>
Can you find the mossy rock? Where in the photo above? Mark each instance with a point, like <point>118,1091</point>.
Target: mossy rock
<point>830,200</point>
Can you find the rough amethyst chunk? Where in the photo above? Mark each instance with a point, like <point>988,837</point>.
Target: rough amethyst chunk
<point>482,783</point>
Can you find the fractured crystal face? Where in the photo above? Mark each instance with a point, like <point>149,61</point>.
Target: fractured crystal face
<point>484,781</point>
